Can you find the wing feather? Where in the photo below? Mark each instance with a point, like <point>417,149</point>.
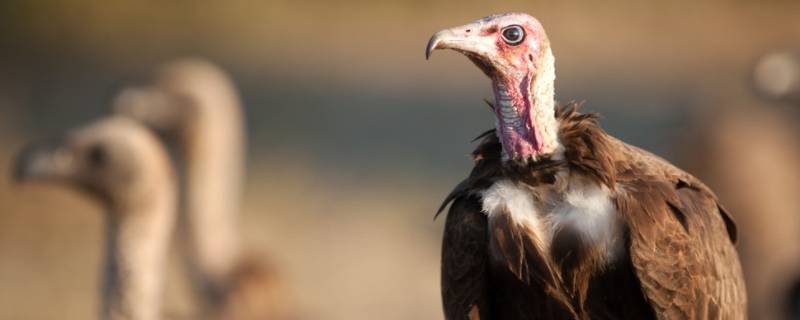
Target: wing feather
<point>681,245</point>
<point>465,261</point>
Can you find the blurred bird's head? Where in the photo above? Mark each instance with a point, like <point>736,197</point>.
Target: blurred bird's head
<point>514,52</point>
<point>167,113</point>
<point>114,159</point>
<point>185,98</point>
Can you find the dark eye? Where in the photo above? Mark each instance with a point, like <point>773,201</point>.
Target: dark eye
<point>513,35</point>
<point>97,156</point>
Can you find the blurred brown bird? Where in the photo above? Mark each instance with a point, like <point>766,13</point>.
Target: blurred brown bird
<point>124,167</point>
<point>750,155</point>
<point>195,107</point>
<point>559,220</point>
<point>761,186</point>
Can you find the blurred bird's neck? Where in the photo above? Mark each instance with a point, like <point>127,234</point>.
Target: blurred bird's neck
<point>212,156</point>
<point>526,123</point>
<point>137,240</point>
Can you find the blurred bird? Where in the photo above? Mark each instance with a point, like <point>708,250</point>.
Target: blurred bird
<point>749,154</point>
<point>559,220</point>
<point>761,186</point>
<point>125,168</point>
<point>195,108</point>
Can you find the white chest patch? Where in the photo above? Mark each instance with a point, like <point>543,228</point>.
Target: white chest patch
<point>581,206</point>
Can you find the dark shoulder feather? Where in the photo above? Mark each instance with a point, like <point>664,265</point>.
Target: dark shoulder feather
<point>583,140</point>
<point>465,261</point>
<point>487,159</point>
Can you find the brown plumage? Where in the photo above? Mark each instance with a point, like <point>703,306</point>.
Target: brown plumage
<point>559,220</point>
<point>679,261</point>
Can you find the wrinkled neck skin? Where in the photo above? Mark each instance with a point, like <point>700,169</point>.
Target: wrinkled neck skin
<point>524,108</point>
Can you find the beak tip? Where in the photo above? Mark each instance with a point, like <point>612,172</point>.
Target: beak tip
<point>429,49</point>
<point>34,161</point>
<point>434,43</point>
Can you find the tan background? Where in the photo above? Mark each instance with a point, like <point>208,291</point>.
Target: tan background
<point>354,137</point>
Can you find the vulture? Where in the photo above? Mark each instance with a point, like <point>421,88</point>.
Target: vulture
<point>194,107</point>
<point>125,168</point>
<point>559,220</point>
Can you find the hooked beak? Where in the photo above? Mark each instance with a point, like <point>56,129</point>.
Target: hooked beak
<point>465,39</point>
<point>45,160</point>
<point>438,41</point>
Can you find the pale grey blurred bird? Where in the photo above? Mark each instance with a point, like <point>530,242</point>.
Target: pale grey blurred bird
<point>125,168</point>
<point>749,154</point>
<point>194,106</point>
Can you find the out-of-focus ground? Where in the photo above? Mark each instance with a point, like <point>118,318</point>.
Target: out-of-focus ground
<point>354,138</point>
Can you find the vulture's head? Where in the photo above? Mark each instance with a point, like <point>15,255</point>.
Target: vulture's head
<point>514,52</point>
<point>114,159</point>
<point>503,46</point>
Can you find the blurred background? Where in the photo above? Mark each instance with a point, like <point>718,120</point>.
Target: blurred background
<point>354,139</point>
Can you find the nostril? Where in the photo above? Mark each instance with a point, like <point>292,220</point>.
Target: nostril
<point>468,30</point>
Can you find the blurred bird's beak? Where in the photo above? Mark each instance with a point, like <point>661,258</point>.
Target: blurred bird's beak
<point>465,39</point>
<point>46,161</point>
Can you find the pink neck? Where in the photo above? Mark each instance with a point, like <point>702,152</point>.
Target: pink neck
<point>516,126</point>
<point>525,111</point>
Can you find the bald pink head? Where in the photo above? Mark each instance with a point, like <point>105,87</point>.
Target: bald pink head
<point>501,45</point>
<point>514,52</point>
